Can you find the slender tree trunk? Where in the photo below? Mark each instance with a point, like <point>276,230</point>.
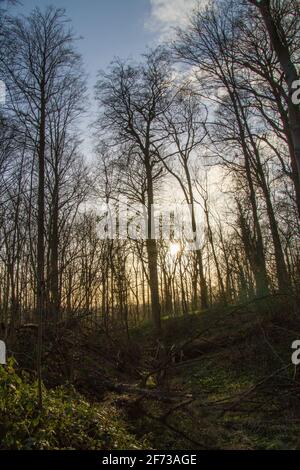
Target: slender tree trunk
<point>152,253</point>
<point>258,257</point>
<point>212,244</point>
<point>54,274</point>
<point>40,242</point>
<point>282,274</point>
<point>203,285</point>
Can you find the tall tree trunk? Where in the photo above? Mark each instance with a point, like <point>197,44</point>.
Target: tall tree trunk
<point>258,257</point>
<point>54,274</point>
<point>283,53</point>
<point>212,244</point>
<point>282,274</point>
<point>152,253</point>
<point>199,257</point>
<point>40,272</point>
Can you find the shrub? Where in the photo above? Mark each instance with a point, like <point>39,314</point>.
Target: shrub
<point>67,421</point>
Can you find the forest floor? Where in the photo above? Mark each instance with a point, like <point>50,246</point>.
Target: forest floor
<point>229,385</point>
<point>222,379</point>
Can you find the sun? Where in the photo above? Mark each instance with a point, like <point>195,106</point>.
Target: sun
<point>174,248</point>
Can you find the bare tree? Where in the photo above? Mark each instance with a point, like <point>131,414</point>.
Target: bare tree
<point>133,98</point>
<point>281,19</point>
<point>40,56</point>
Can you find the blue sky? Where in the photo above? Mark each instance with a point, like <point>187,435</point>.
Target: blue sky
<point>108,28</point>
<point>111,28</point>
<point>114,28</point>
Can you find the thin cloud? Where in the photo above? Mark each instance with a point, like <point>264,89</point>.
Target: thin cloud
<point>168,14</point>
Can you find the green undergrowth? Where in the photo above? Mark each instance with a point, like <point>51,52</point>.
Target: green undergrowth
<point>67,421</point>
<point>231,382</point>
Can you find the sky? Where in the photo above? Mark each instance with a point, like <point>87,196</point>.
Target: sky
<point>115,28</point>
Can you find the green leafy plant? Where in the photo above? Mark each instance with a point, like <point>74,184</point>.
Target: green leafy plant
<point>67,420</point>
